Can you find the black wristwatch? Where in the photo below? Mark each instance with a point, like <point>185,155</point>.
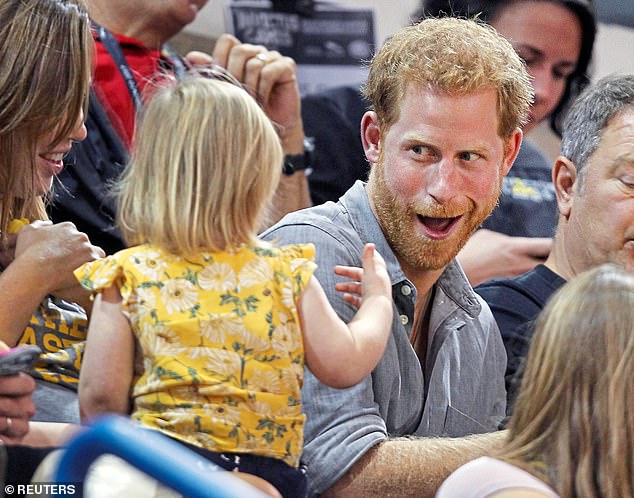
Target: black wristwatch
<point>298,162</point>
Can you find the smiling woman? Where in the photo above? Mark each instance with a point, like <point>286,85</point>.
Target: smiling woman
<point>46,48</point>
<point>44,78</point>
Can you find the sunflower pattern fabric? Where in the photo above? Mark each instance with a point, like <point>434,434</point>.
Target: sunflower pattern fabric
<point>221,353</point>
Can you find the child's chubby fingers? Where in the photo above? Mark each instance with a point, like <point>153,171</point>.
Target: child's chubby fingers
<point>367,257</point>
<point>352,299</point>
<point>376,279</point>
<point>350,287</point>
<point>352,272</point>
<point>377,260</point>
<point>373,262</point>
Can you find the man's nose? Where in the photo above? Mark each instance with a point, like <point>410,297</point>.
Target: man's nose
<point>442,181</point>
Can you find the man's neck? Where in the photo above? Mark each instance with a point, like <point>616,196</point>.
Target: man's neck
<point>124,19</point>
<point>559,260</point>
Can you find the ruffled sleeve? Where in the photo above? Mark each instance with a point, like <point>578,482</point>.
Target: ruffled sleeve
<point>98,275</point>
<point>299,259</point>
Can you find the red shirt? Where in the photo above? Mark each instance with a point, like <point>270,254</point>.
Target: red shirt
<point>111,88</point>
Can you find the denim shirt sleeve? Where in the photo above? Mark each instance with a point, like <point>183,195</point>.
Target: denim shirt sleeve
<point>341,424</point>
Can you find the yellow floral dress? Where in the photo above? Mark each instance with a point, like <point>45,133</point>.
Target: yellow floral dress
<point>220,341</point>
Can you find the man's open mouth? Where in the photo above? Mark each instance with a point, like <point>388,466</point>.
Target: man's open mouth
<point>437,228</point>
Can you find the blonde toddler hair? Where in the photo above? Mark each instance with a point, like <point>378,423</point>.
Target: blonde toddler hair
<point>205,165</point>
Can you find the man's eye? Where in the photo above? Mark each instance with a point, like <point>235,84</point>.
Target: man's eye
<point>422,152</point>
<point>468,156</point>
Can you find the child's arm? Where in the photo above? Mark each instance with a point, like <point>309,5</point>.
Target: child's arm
<point>108,365</point>
<point>341,355</point>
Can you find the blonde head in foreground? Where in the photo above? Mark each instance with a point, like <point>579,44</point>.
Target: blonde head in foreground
<point>573,423</point>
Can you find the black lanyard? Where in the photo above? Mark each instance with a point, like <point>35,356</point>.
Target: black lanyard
<point>111,44</point>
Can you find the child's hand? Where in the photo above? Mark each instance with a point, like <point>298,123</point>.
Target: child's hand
<point>373,279</point>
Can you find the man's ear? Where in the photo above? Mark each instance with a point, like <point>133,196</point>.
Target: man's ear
<point>371,136</point>
<point>511,149</point>
<point>564,178</point>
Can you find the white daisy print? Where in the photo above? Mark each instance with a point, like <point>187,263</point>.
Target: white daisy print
<point>217,276</point>
<point>293,377</point>
<point>224,363</point>
<point>222,414</point>
<point>158,340</point>
<point>179,295</point>
<point>266,381</point>
<point>285,338</point>
<point>288,296</point>
<point>197,352</point>
<point>218,326</point>
<point>144,303</point>
<point>177,419</point>
<point>297,263</point>
<point>252,342</point>
<point>151,264</point>
<point>255,272</point>
<point>260,407</point>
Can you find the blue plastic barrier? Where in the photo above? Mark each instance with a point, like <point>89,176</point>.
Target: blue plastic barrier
<point>159,457</point>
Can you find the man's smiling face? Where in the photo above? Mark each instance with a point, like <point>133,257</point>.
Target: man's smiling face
<point>437,173</point>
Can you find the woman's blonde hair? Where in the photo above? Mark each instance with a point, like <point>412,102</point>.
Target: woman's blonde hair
<point>574,417</point>
<point>46,49</point>
<point>206,163</point>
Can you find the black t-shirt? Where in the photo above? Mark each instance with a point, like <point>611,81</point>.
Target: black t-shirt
<point>527,205</point>
<point>515,304</point>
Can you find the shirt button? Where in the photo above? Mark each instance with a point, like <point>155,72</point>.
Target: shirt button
<point>406,290</point>
<point>404,319</point>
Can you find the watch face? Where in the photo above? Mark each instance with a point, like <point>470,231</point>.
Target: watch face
<point>297,162</point>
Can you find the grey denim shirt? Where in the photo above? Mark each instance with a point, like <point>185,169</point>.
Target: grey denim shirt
<point>462,390</point>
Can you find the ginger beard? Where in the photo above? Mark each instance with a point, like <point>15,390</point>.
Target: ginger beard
<point>399,220</point>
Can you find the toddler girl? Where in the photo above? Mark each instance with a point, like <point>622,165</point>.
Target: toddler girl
<point>201,331</point>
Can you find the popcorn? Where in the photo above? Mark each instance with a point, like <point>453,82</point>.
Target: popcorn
<point>16,225</point>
